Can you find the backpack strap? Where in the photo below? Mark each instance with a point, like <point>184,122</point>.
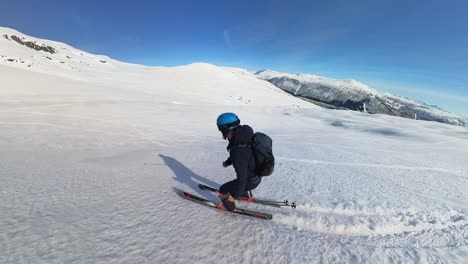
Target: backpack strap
<point>241,146</point>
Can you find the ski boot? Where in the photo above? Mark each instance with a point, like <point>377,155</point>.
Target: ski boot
<point>228,201</point>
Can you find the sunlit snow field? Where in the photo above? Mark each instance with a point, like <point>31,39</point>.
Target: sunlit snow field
<point>90,159</point>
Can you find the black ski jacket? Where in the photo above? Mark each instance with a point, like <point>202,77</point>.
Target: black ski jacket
<point>241,157</point>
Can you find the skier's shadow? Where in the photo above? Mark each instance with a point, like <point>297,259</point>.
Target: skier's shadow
<point>186,176</point>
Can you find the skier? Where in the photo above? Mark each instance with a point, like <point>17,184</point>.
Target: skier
<point>241,157</point>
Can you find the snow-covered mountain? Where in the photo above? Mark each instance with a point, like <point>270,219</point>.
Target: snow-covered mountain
<point>55,58</point>
<point>46,56</point>
<point>353,95</point>
<point>91,152</point>
<point>204,81</point>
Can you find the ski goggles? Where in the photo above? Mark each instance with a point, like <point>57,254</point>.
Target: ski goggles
<point>227,127</point>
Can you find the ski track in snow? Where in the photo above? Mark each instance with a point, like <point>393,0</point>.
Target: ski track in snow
<point>362,223</point>
<point>370,165</point>
<point>111,222</point>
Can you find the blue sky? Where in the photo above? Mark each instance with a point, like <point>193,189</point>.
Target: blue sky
<point>417,49</point>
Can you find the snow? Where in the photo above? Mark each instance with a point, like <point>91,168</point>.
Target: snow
<point>90,159</point>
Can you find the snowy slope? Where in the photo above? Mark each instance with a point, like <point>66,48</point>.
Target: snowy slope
<point>45,56</point>
<point>353,95</point>
<point>90,159</point>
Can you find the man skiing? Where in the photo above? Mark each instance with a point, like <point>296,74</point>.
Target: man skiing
<point>241,157</point>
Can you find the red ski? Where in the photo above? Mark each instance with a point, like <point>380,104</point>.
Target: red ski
<point>252,199</point>
<point>220,207</point>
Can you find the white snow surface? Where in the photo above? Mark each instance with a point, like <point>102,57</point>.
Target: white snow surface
<point>90,158</point>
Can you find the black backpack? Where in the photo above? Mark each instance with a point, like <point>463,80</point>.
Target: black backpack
<point>262,148</point>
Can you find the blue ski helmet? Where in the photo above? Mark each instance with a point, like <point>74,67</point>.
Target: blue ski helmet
<point>227,121</point>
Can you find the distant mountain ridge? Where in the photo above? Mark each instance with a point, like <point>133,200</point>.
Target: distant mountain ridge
<point>353,95</point>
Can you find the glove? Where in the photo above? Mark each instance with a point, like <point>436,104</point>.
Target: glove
<point>225,164</point>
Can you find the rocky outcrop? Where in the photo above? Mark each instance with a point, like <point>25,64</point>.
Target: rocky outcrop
<point>32,44</point>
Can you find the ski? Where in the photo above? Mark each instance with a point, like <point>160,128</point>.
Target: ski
<point>220,207</point>
<point>253,200</point>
